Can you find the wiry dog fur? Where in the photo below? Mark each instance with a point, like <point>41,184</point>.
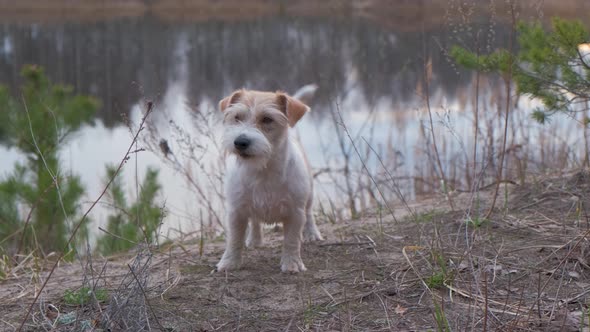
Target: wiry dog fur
<point>267,179</point>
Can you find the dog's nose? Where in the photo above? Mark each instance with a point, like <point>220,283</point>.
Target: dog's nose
<point>242,142</point>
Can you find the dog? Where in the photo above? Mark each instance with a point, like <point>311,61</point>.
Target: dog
<point>267,179</point>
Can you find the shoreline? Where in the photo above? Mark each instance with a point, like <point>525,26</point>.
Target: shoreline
<point>398,13</point>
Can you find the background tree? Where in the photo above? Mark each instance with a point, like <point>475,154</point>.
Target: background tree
<point>38,124</point>
<point>553,66</point>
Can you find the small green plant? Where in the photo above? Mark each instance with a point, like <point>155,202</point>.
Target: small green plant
<point>585,315</point>
<point>582,317</point>
<point>312,311</point>
<point>579,213</point>
<point>84,296</point>
<point>476,221</point>
<point>38,123</point>
<point>441,272</point>
<point>436,280</point>
<point>135,223</point>
<point>442,323</point>
<point>426,217</point>
<point>5,265</point>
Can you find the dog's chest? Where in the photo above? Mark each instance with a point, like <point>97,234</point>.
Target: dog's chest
<point>267,200</point>
<point>272,194</point>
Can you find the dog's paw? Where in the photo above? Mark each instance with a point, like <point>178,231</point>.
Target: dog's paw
<point>312,235</point>
<point>290,264</point>
<point>226,264</point>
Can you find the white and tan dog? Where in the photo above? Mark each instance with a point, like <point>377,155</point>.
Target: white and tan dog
<point>267,178</point>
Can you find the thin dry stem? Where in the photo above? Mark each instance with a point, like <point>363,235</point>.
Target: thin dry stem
<point>363,163</point>
<point>508,100</point>
<point>427,67</point>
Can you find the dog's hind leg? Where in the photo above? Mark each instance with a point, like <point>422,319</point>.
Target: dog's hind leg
<point>254,238</point>
<point>310,230</point>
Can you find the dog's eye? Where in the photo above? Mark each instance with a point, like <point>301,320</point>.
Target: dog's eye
<point>237,117</point>
<point>267,120</point>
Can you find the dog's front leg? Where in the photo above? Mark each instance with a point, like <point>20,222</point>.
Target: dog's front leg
<point>291,259</point>
<point>236,232</point>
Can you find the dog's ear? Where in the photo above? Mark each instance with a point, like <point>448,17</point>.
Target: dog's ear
<point>293,108</point>
<point>229,100</point>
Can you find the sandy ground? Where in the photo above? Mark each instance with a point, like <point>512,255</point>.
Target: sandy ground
<point>524,269</point>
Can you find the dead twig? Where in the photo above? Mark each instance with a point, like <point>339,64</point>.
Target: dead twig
<point>116,236</point>
<point>145,297</point>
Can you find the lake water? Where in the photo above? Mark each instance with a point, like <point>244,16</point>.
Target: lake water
<point>372,69</point>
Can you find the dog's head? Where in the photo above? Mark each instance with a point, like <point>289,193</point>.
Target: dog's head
<point>257,122</point>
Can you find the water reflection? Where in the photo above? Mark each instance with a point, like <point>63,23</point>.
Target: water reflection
<point>122,60</point>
